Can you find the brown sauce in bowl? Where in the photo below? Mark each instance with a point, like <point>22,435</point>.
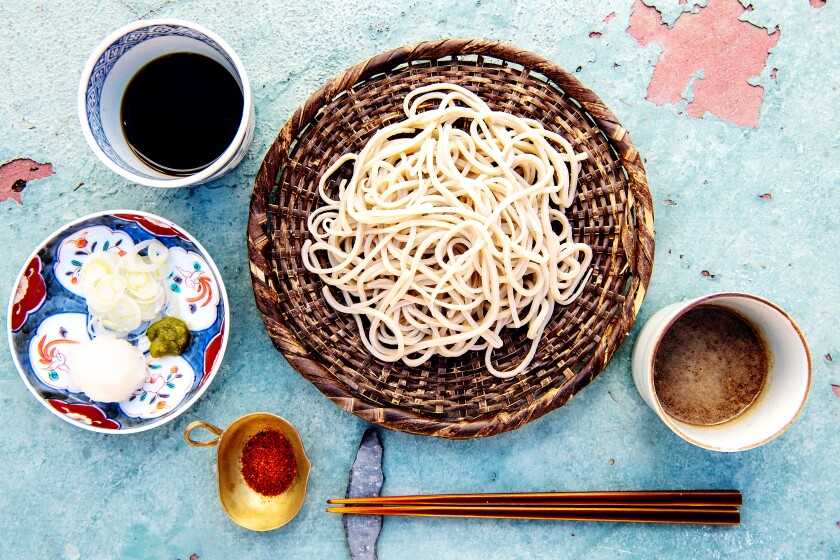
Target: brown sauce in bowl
<point>710,366</point>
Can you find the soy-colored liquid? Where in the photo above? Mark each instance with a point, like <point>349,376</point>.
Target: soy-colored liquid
<point>710,366</point>
<point>180,112</point>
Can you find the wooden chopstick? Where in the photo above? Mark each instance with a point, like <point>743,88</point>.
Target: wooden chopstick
<point>696,498</point>
<point>725,515</point>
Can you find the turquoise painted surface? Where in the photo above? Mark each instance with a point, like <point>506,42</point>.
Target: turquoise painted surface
<point>70,494</point>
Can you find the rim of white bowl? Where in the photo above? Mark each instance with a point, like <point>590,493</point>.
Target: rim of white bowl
<point>214,167</point>
<point>704,300</point>
<point>185,405</point>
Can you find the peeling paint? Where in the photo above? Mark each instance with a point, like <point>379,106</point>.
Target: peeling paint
<point>817,3</point>
<point>728,51</point>
<point>599,28</point>
<point>15,174</point>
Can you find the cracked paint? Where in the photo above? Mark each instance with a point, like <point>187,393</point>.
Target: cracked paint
<point>728,51</point>
<point>15,174</point>
<point>599,30</point>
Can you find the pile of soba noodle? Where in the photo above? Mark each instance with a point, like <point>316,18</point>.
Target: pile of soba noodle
<point>451,229</point>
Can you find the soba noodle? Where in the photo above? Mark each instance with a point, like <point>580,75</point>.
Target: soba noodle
<point>451,228</point>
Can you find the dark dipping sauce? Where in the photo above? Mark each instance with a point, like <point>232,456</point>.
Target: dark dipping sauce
<point>180,112</point>
<point>710,366</point>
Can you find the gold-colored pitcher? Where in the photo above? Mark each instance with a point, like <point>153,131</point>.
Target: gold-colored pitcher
<point>243,505</point>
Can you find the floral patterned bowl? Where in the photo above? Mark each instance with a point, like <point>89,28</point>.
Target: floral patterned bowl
<point>48,314</point>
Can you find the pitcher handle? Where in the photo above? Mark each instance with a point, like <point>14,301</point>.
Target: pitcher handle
<point>207,426</point>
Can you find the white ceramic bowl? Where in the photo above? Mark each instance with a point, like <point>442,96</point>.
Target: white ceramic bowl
<point>48,315</point>
<point>785,389</point>
<point>112,65</point>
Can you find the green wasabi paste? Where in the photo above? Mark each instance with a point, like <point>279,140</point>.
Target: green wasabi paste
<point>168,337</point>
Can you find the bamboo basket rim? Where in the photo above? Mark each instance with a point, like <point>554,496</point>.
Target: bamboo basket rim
<point>632,236</point>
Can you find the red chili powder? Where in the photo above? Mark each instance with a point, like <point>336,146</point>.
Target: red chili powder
<point>268,463</point>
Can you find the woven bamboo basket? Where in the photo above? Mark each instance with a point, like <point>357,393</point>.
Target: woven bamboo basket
<point>451,397</point>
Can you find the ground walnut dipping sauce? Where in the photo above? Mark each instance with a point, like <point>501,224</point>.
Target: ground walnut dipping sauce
<point>710,366</point>
<point>269,465</point>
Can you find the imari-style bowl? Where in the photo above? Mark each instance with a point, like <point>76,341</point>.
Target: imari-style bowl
<point>48,315</point>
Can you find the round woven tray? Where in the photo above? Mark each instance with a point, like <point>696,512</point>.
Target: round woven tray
<point>451,397</point>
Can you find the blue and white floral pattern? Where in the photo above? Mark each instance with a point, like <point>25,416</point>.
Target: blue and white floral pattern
<point>49,332</point>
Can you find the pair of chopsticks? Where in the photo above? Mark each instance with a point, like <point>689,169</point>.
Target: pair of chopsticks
<point>713,507</point>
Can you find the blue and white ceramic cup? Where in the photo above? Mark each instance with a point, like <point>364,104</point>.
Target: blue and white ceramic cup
<point>110,68</point>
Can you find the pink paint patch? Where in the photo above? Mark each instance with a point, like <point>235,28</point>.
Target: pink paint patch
<point>15,174</point>
<point>727,50</point>
<point>836,389</point>
<point>817,3</point>
<point>683,2</point>
<point>609,17</point>
<point>594,35</point>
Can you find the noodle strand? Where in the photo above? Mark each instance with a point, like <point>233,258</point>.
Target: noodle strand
<point>451,228</point>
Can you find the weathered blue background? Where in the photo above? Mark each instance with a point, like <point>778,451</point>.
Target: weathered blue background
<point>66,493</point>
